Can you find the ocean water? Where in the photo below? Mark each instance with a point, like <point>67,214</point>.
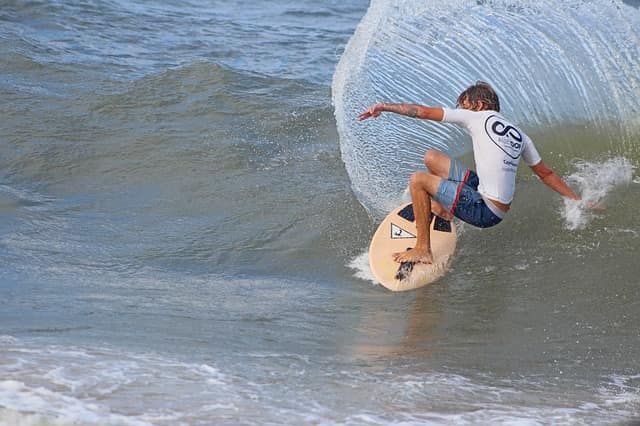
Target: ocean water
<point>186,201</point>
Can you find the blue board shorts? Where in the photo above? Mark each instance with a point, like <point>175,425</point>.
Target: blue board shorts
<point>459,195</point>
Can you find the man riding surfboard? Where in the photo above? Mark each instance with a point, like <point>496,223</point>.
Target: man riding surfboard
<point>482,197</point>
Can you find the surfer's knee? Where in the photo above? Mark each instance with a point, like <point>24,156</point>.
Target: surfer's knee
<point>437,162</point>
<point>431,157</point>
<point>417,179</point>
<point>423,181</point>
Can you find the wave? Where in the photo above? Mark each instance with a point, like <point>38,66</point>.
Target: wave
<point>144,128</point>
<point>552,64</point>
<point>211,160</point>
<point>68,385</point>
<point>203,87</point>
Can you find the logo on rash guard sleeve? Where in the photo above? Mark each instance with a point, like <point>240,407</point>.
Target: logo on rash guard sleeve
<point>507,137</point>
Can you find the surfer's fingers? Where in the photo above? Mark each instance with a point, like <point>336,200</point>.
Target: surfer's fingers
<point>373,111</point>
<point>365,115</point>
<point>593,206</point>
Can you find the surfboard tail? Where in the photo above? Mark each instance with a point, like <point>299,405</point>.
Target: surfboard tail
<point>396,233</point>
<point>411,275</point>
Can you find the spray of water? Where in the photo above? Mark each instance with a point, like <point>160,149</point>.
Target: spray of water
<point>595,180</point>
<point>552,63</point>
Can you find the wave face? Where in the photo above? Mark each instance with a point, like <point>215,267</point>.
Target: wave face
<point>552,63</point>
<point>173,157</point>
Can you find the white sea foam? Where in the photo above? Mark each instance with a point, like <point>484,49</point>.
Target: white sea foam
<point>151,389</point>
<point>51,407</point>
<point>360,264</point>
<point>595,181</point>
<point>45,385</point>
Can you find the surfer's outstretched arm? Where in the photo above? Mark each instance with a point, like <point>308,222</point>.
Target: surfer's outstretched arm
<point>410,110</point>
<point>553,181</point>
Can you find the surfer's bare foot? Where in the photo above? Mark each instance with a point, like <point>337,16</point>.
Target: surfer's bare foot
<point>416,254</point>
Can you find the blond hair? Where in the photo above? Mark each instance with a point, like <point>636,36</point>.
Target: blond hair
<point>480,92</point>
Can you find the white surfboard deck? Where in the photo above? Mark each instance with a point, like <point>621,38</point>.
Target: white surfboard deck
<point>397,233</point>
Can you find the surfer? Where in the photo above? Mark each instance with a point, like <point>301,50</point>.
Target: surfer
<point>449,188</point>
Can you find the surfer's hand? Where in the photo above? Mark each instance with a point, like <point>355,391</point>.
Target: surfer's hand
<point>373,111</point>
<point>588,205</point>
<point>593,206</point>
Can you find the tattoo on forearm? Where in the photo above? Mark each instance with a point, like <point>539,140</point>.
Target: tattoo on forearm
<point>411,111</point>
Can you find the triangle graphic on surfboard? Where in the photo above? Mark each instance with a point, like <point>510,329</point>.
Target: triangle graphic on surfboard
<point>397,232</point>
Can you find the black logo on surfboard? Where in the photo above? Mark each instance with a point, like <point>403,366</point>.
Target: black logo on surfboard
<point>507,137</point>
<point>397,232</point>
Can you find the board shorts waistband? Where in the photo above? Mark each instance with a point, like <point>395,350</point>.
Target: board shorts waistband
<point>493,207</point>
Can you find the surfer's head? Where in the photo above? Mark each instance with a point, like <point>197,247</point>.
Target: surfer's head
<point>479,97</point>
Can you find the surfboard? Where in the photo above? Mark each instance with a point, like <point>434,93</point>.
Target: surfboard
<point>396,233</point>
